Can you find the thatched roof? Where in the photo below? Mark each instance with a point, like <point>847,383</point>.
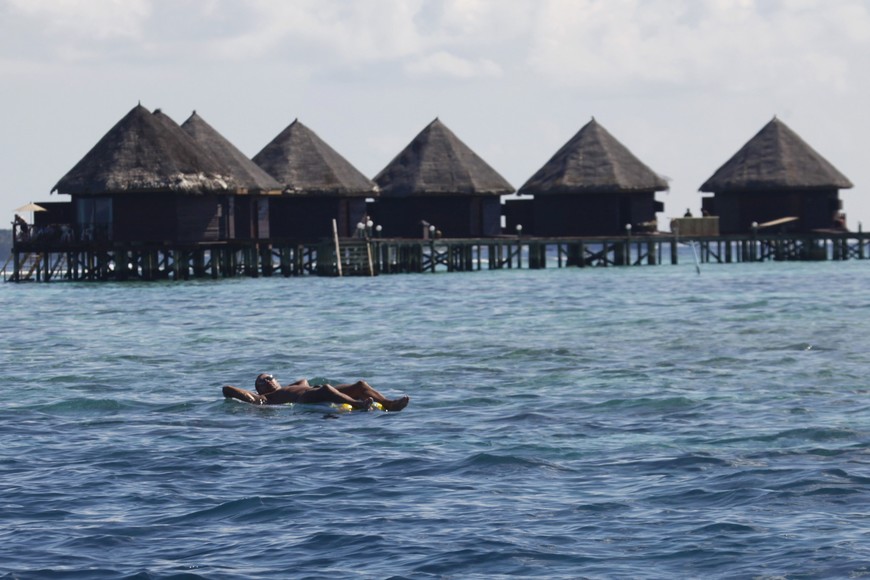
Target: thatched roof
<point>775,159</point>
<point>245,172</point>
<point>142,153</point>
<point>436,162</point>
<point>593,161</point>
<point>305,165</point>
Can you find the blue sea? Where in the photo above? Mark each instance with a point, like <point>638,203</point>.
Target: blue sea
<point>635,422</point>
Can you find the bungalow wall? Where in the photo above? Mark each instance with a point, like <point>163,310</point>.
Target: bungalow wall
<point>519,212</point>
<point>738,210</point>
<point>152,217</point>
<point>603,214</point>
<point>250,217</point>
<point>310,218</point>
<point>202,218</point>
<point>56,212</point>
<point>455,216</point>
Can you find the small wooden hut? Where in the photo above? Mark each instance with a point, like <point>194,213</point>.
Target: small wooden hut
<point>437,180</point>
<point>592,186</point>
<point>250,208</point>
<point>318,184</point>
<point>776,179</point>
<point>147,181</point>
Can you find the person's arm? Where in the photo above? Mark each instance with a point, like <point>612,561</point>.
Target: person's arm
<point>231,392</point>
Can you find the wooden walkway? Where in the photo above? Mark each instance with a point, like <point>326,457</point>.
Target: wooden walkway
<point>370,257</point>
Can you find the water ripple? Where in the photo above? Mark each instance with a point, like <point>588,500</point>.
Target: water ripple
<point>597,423</point>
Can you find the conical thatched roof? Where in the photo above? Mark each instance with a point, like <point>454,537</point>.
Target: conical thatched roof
<point>436,162</point>
<point>304,164</point>
<point>142,153</point>
<point>245,172</point>
<point>776,158</point>
<point>593,161</point>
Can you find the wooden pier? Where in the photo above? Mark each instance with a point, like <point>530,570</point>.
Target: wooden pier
<point>94,261</point>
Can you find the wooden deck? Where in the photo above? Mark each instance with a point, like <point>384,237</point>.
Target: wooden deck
<point>94,261</point>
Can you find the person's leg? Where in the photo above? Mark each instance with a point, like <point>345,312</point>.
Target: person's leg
<point>329,394</point>
<point>362,390</point>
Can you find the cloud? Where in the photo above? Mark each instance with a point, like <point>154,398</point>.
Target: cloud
<point>747,45</point>
<point>337,32</point>
<point>452,38</point>
<point>475,23</point>
<point>705,74</point>
<point>741,44</point>
<point>86,19</point>
<point>445,64</point>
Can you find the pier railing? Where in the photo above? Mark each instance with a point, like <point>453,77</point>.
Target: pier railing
<point>107,261</point>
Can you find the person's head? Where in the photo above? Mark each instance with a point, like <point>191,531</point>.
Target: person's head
<point>266,383</point>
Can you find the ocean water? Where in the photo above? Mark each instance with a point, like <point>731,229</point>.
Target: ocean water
<point>640,422</point>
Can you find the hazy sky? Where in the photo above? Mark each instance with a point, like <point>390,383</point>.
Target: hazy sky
<point>682,83</point>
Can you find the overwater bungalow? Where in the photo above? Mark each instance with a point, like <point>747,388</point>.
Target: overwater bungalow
<point>318,185</point>
<point>592,186</point>
<point>776,181</point>
<point>146,180</point>
<point>250,208</point>
<point>438,182</point>
<point>153,200</point>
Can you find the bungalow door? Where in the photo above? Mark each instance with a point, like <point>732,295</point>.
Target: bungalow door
<point>94,220</point>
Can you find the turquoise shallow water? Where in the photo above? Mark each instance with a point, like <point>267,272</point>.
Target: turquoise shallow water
<point>600,423</point>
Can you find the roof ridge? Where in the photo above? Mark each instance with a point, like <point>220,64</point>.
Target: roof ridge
<point>437,162</point>
<point>593,161</point>
<point>143,152</point>
<point>304,163</point>
<point>247,173</point>
<point>776,157</point>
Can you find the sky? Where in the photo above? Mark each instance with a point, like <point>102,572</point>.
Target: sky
<point>682,83</point>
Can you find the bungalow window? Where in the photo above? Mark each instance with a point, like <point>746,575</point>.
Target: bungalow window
<point>94,218</point>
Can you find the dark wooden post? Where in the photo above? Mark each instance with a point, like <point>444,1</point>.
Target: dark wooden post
<point>651,253</point>
<point>199,263</point>
<point>576,254</point>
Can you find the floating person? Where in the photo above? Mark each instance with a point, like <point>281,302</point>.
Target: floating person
<point>359,395</point>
